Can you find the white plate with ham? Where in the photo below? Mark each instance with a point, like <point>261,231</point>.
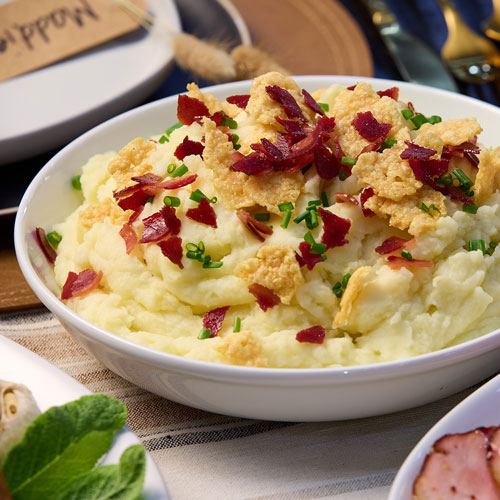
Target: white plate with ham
<point>460,456</point>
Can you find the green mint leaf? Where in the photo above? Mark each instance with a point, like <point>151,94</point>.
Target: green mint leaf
<point>110,482</point>
<point>61,444</point>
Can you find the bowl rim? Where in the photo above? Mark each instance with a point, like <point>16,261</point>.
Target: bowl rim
<point>243,374</point>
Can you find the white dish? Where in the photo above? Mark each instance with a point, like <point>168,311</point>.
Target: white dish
<point>50,106</point>
<point>480,409</point>
<point>52,387</point>
<point>274,394</point>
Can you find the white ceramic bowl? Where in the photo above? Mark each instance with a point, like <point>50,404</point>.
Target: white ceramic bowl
<point>276,394</point>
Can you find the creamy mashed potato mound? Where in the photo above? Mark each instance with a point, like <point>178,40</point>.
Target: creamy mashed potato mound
<point>436,291</point>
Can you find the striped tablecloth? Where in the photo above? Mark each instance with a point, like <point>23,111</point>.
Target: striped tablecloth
<point>208,456</point>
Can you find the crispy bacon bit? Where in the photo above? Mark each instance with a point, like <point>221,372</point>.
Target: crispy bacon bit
<point>467,150</point>
<point>429,170</point>
<point>217,118</point>
<point>142,182</point>
<point>178,182</point>
<point>292,127</point>
<point>345,198</point>
<point>396,262</point>
<point>43,243</point>
<point>172,249</point>
<point>306,258</point>
<point>203,213</point>
<point>160,224</point>
<point>311,103</point>
<point>453,192</point>
<point>365,195</point>
<point>392,244</point>
<point>272,151</point>
<point>313,335</point>
<point>369,128</point>
<point>137,200</point>
<point>265,297</point>
<point>326,163</point>
<point>239,100</point>
<point>80,284</point>
<point>190,110</point>
<point>335,229</point>
<point>127,232</point>
<point>352,87</point>
<point>411,107</point>
<point>286,100</point>
<point>188,147</point>
<point>213,320</point>
<point>393,93</point>
<point>416,152</point>
<point>257,227</point>
<point>253,164</point>
<point>135,215</point>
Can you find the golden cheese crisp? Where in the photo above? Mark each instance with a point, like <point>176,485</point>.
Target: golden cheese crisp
<point>310,243</point>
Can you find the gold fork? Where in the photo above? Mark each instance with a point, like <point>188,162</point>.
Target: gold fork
<point>471,58</point>
<point>492,26</point>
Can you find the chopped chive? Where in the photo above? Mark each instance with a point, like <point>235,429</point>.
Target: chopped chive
<point>469,209</point>
<point>345,280</point>
<point>407,113</point>
<point>286,219</point>
<point>172,201</point>
<point>462,178</point>
<point>198,195</point>
<point>387,144</point>
<point>469,193</point>
<point>163,139</point>
<point>418,120</point>
<point>285,206</point>
<point>54,238</point>
<point>312,221</point>
<point>301,217</point>
<point>427,209</point>
<point>192,247</point>
<point>191,254</point>
<point>237,324</point>
<point>262,216</point>
<point>436,209</point>
<point>229,122</point>
<point>205,333</point>
<point>317,248</point>
<point>406,254</point>
<point>234,139</point>
<point>212,265</point>
<point>434,119</point>
<point>341,174</point>
<point>171,167</point>
<point>201,246</point>
<point>313,203</point>
<point>172,128</point>
<point>324,106</point>
<point>324,199</point>
<point>323,256</point>
<point>350,162</point>
<point>309,238</point>
<point>150,199</point>
<point>338,291</point>
<point>477,245</point>
<point>445,179</point>
<point>76,182</point>
<point>179,171</point>
<point>306,168</point>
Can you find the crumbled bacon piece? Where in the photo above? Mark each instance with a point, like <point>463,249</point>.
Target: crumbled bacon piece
<point>306,258</point>
<point>365,195</point>
<point>287,101</point>
<point>43,243</point>
<point>172,249</point>
<point>429,170</point>
<point>190,109</point>
<point>313,335</point>
<point>136,214</point>
<point>160,224</point>
<point>311,103</point>
<point>137,200</point>
<point>253,164</point>
<point>217,118</point>
<point>393,93</point>
<point>396,262</point>
<point>203,213</point>
<point>453,192</point>
<point>372,146</point>
<point>326,163</point>
<point>392,244</point>
<point>272,151</point>
<point>141,182</point>
<point>213,320</point>
<point>266,298</point>
<point>369,128</point>
<point>80,284</point>
<point>127,232</point>
<point>178,182</point>
<point>335,229</point>
<point>416,152</point>
<point>257,227</point>
<point>188,147</point>
<point>352,87</point>
<point>345,198</point>
<point>239,100</point>
<point>467,150</point>
<point>292,128</point>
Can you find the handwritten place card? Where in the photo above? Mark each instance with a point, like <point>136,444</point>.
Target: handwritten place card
<point>35,33</point>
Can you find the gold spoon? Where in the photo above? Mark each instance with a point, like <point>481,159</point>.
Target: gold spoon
<point>492,26</point>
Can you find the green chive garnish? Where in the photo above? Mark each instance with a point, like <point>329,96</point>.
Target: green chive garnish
<point>418,120</point>
<point>345,280</point>
<point>342,174</point>
<point>324,199</point>
<point>54,238</point>
<point>228,122</point>
<point>172,201</point>
<point>469,193</point>
<point>285,206</point>
<point>340,286</point>
<point>76,183</point>
<point>387,144</point>
<point>427,209</point>
<point>163,139</point>
<point>286,219</point>
<point>313,203</point>
<point>350,162</point>
<point>234,139</point>
<point>407,113</point>
<point>324,106</point>
<point>237,324</point>
<point>445,179</point>
<point>171,167</point>
<point>205,333</point>
<point>198,195</point>
<point>434,119</point>
<point>301,217</point>
<point>406,254</point>
<point>179,171</point>
<point>462,178</point>
<point>306,168</point>
<point>312,221</point>
<point>477,245</point>
<point>469,209</point>
<point>317,248</point>
<point>212,265</point>
<point>309,238</point>
<point>262,216</point>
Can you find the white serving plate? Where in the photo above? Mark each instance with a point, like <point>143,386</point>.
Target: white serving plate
<point>52,105</point>
<point>480,409</point>
<point>52,387</point>
<point>274,394</point>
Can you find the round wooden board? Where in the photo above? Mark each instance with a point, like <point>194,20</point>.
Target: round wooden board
<point>308,37</point>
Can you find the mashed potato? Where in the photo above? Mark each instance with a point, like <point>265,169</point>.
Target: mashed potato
<point>433,281</point>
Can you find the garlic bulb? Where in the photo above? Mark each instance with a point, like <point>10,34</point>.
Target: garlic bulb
<point>17,409</point>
